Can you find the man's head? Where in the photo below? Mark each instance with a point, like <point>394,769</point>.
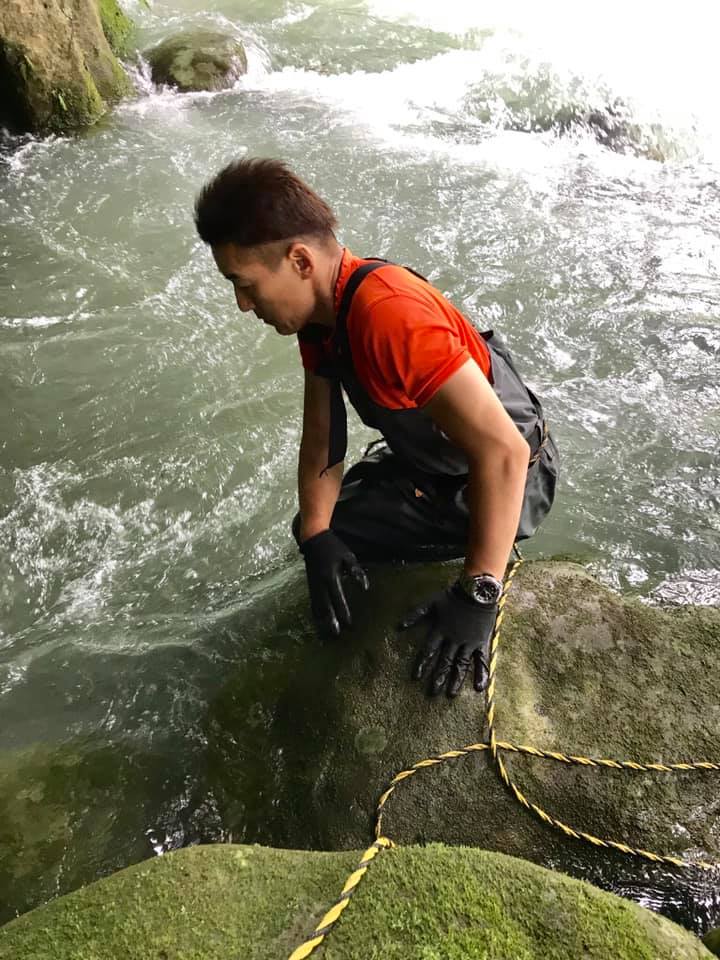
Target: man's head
<point>273,238</point>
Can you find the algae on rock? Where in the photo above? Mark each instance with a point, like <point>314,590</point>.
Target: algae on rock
<point>215,902</point>
<point>581,670</point>
<point>198,60</point>
<point>57,66</point>
<point>118,28</point>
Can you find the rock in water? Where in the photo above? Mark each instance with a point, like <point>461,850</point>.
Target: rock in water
<point>198,60</point>
<point>57,65</point>
<point>211,903</point>
<point>305,736</point>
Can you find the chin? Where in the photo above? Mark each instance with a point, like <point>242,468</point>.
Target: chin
<point>289,328</point>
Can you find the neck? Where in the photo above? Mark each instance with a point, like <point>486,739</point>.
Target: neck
<point>325,309</point>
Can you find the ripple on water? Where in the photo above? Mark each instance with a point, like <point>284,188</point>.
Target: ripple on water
<point>689,587</point>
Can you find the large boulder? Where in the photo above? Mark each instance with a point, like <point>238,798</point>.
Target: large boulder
<point>57,66</point>
<point>210,903</point>
<point>305,736</point>
<point>198,60</point>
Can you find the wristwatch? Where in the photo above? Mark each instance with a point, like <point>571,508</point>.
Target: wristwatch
<point>483,589</point>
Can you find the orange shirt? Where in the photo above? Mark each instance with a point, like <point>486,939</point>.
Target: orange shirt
<point>405,338</point>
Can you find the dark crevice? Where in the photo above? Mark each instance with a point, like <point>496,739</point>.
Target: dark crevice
<point>14,113</point>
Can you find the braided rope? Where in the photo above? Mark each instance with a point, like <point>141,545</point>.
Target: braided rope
<point>496,747</point>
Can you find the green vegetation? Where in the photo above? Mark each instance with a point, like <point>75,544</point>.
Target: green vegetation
<point>434,903</point>
<point>118,28</point>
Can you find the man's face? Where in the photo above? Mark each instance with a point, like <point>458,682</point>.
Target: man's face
<point>281,295</point>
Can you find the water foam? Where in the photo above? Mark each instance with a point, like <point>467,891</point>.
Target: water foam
<point>660,57</point>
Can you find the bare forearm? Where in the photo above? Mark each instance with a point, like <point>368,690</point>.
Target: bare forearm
<point>496,487</point>
<point>317,490</point>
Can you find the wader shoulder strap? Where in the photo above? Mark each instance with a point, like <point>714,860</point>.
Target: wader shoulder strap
<point>354,281</point>
<point>337,444</point>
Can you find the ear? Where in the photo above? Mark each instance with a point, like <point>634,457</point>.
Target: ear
<point>303,259</point>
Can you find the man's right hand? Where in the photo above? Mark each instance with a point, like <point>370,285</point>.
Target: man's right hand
<point>327,561</point>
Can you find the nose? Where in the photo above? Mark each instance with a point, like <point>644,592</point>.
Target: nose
<point>243,301</point>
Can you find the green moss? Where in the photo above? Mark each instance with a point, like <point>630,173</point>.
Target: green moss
<point>60,80</point>
<point>371,740</point>
<point>712,941</point>
<point>31,105</point>
<point>434,903</point>
<point>198,60</point>
<point>118,28</point>
<point>122,85</point>
<point>76,106</point>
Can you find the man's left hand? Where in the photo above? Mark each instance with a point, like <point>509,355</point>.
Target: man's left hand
<point>460,631</point>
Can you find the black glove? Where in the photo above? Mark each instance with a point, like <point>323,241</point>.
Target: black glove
<point>461,630</point>
<point>327,560</point>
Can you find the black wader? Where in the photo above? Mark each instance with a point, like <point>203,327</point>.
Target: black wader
<point>405,500</point>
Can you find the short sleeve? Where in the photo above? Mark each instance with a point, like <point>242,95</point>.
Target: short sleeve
<point>409,343</point>
<point>309,355</point>
<point>313,342</point>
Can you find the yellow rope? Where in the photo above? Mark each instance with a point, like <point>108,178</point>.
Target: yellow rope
<point>331,917</point>
<point>496,747</point>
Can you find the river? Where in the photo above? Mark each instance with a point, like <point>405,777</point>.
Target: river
<point>148,431</point>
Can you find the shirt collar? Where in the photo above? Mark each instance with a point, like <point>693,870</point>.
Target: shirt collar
<point>346,265</point>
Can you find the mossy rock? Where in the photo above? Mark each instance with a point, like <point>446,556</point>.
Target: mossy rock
<point>435,903</point>
<point>57,69</point>
<point>118,28</point>
<point>712,941</point>
<point>305,736</point>
<point>198,60</point>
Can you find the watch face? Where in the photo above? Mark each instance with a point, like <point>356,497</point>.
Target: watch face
<point>485,590</point>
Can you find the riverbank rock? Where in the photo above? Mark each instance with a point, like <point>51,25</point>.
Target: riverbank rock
<point>198,60</point>
<point>225,901</point>
<point>58,70</point>
<point>305,736</point>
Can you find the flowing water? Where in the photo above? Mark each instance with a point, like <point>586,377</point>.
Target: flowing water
<point>148,432</point>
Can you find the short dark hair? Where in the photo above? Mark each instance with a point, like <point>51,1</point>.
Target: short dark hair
<point>253,201</point>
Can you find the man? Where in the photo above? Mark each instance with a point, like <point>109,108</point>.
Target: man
<point>466,466</point>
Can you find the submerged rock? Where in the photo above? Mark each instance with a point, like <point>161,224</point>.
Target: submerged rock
<point>305,737</point>
<point>538,101</point>
<point>712,941</point>
<point>237,901</point>
<point>198,60</point>
<point>72,812</point>
<point>58,68</point>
